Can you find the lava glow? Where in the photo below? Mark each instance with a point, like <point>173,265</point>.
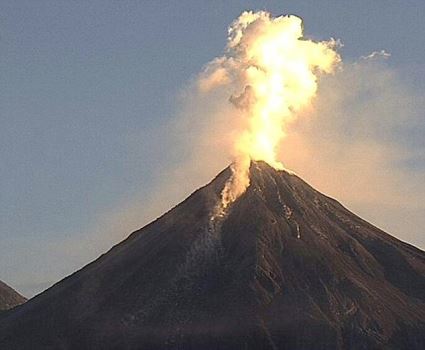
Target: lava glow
<point>274,71</point>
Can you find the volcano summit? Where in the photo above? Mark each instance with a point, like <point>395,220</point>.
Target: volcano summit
<point>285,267</point>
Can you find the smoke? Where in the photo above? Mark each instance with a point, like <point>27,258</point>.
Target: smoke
<point>271,71</point>
<point>376,54</point>
<point>355,145</point>
<point>361,142</point>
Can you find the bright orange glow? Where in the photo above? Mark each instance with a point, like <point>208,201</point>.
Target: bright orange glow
<point>275,70</point>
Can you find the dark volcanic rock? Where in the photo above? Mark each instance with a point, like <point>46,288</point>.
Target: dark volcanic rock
<point>9,298</point>
<point>287,268</point>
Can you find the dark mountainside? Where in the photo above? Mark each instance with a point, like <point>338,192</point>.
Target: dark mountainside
<point>286,268</point>
<point>9,297</point>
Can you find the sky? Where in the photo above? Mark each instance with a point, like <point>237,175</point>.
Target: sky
<point>100,124</point>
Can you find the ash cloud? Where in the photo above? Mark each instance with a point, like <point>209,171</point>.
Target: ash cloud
<point>354,144</point>
<point>357,145</point>
<point>244,100</point>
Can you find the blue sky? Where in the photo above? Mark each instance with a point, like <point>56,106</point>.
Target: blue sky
<point>89,88</point>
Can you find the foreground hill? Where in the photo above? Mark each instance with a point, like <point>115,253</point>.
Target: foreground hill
<point>9,298</point>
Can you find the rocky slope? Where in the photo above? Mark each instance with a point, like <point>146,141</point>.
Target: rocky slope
<point>9,298</point>
<point>286,268</point>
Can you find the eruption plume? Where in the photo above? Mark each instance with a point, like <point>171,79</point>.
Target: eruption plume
<point>272,70</point>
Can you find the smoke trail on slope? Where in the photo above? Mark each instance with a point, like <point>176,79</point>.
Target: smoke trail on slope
<point>272,70</point>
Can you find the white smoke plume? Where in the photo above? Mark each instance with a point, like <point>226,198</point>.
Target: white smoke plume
<point>341,147</point>
<point>271,71</point>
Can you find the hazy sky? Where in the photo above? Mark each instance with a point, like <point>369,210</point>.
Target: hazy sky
<point>90,92</point>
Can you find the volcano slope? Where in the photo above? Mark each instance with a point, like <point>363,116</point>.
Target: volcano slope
<point>9,298</point>
<point>286,268</point>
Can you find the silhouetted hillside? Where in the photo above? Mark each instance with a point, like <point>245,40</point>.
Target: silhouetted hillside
<point>9,298</point>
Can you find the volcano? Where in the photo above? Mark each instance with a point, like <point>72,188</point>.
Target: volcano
<point>9,297</point>
<point>285,267</point>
